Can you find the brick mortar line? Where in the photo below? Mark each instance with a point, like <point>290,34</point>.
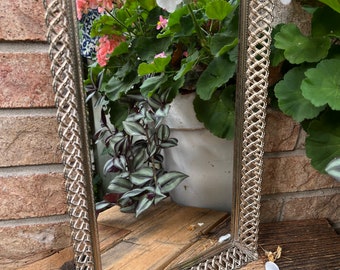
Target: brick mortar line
<point>10,112</point>
<point>302,194</point>
<point>23,47</point>
<point>34,221</point>
<point>297,152</point>
<point>31,170</point>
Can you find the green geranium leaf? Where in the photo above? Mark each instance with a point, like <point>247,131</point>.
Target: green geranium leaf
<point>218,72</point>
<point>334,4</point>
<point>170,180</point>
<point>290,98</point>
<point>325,21</point>
<point>147,4</point>
<point>133,128</point>
<point>218,113</point>
<point>187,64</point>
<point>157,66</point>
<point>147,47</point>
<point>118,113</point>
<point>221,44</point>
<point>115,87</point>
<point>322,84</point>
<point>323,142</point>
<point>218,9</point>
<point>141,176</point>
<point>299,48</point>
<point>120,49</point>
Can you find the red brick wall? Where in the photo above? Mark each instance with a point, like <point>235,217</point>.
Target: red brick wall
<point>291,188</point>
<point>33,213</point>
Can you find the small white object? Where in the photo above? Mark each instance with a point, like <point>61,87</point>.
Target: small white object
<point>224,238</point>
<point>271,266</point>
<point>200,224</point>
<point>286,2</point>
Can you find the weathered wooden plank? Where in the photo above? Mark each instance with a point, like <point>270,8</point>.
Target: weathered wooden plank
<point>158,236</point>
<point>206,242</point>
<point>110,236</point>
<point>306,244</point>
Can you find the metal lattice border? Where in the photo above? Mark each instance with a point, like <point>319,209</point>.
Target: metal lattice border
<point>255,39</point>
<point>62,36</point>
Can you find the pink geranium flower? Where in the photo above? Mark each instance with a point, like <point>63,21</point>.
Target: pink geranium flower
<point>82,8</point>
<point>160,55</point>
<point>106,47</point>
<point>104,4</point>
<point>162,23</point>
<point>84,5</point>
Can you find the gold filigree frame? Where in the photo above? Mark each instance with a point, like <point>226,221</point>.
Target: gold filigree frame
<point>254,49</point>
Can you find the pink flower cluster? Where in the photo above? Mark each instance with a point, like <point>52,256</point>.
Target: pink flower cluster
<point>84,5</point>
<point>106,47</point>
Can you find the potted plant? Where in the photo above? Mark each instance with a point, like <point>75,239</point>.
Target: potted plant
<point>148,54</point>
<point>309,91</point>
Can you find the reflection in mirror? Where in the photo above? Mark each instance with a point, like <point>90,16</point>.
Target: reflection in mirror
<point>153,86</point>
<point>146,60</point>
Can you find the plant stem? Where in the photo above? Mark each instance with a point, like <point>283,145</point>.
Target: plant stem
<point>197,27</point>
<point>116,19</point>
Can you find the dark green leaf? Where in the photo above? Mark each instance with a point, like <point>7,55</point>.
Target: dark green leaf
<point>322,84</point>
<point>218,72</point>
<point>186,65</point>
<point>157,66</point>
<point>323,141</point>
<point>299,48</point>
<point>290,98</point>
<point>334,4</point>
<point>218,113</point>
<point>118,113</point>
<point>325,21</point>
<point>116,87</point>
<point>218,9</point>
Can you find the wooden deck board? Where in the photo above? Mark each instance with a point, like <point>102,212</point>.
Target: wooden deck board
<point>157,237</point>
<point>169,234</point>
<point>306,244</point>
